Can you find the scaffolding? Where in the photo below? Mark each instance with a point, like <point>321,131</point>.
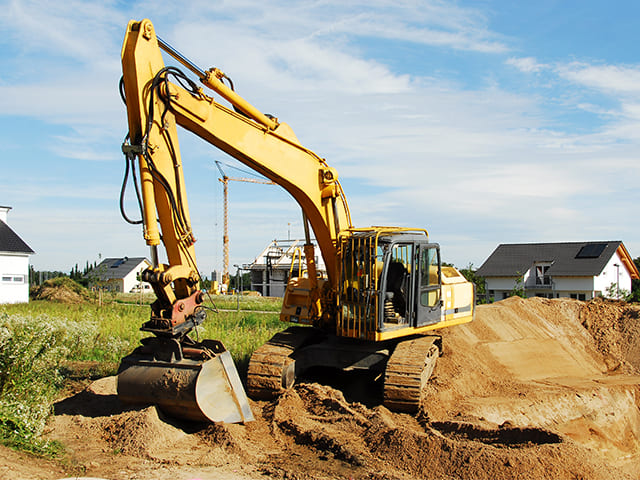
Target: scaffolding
<point>279,261</point>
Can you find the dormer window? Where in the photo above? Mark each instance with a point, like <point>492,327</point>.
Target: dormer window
<point>542,277</point>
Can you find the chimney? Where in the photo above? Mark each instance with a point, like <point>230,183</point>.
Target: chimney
<point>3,213</point>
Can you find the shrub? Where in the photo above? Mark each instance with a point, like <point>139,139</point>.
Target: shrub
<point>30,353</point>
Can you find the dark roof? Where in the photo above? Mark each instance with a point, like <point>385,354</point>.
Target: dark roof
<point>11,242</point>
<point>115,268</point>
<point>567,259</point>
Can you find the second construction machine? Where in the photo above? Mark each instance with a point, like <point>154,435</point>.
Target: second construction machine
<point>385,289</point>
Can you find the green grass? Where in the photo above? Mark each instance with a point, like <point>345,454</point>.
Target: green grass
<point>40,339</point>
<point>222,302</point>
<point>241,333</point>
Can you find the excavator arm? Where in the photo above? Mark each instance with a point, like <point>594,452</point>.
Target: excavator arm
<point>158,99</point>
<point>153,140</point>
<point>156,104</point>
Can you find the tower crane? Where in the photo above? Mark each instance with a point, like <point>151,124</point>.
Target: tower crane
<point>225,238</point>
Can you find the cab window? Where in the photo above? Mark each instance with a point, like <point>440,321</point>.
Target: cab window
<point>429,277</point>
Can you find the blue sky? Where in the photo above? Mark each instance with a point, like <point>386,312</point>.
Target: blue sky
<point>484,122</point>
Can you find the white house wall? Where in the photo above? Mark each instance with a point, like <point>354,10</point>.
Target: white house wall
<point>500,283</point>
<point>130,281</point>
<point>14,266</point>
<point>609,274</point>
<point>573,284</point>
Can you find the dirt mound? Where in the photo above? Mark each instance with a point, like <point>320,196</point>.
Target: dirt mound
<point>524,391</point>
<point>615,326</point>
<point>531,363</point>
<point>377,443</point>
<point>140,433</point>
<point>61,289</point>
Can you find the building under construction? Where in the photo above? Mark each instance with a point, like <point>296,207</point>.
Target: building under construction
<point>280,260</point>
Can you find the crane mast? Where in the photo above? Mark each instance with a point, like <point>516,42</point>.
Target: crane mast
<point>225,209</point>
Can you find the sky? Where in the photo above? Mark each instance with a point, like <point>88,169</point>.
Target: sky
<point>485,121</point>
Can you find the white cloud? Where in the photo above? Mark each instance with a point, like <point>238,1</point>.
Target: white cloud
<point>431,22</point>
<point>526,64</point>
<point>78,30</point>
<point>609,79</point>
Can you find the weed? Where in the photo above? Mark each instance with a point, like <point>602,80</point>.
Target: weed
<point>43,342</point>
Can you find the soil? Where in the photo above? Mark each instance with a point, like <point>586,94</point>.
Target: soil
<point>532,388</point>
<point>62,290</point>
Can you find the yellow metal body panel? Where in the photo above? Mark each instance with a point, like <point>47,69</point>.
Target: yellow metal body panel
<point>296,305</point>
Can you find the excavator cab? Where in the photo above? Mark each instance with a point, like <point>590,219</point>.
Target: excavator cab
<point>410,286</point>
<point>393,292</point>
<point>393,284</point>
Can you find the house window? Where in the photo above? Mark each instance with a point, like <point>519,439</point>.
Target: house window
<point>542,277</point>
<point>13,279</point>
<point>582,296</point>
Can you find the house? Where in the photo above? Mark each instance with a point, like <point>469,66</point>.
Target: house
<point>580,270</point>
<point>270,271</point>
<point>14,263</point>
<point>119,274</point>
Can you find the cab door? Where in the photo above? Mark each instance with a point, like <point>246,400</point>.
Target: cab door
<point>428,285</point>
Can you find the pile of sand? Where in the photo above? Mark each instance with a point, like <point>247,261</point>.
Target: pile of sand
<point>615,327</point>
<point>353,441</point>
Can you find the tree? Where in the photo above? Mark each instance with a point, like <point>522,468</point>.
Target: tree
<point>635,285</point>
<point>37,277</point>
<point>470,274</point>
<point>245,280</point>
<point>614,291</point>
<point>518,288</point>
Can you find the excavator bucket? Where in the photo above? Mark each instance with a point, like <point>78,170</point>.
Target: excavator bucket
<point>193,389</point>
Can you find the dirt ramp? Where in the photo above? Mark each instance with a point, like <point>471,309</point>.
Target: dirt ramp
<point>532,363</point>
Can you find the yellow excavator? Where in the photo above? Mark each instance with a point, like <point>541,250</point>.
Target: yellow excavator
<point>384,293</point>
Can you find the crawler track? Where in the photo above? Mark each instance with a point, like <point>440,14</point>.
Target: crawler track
<point>407,372</point>
<point>271,369</point>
